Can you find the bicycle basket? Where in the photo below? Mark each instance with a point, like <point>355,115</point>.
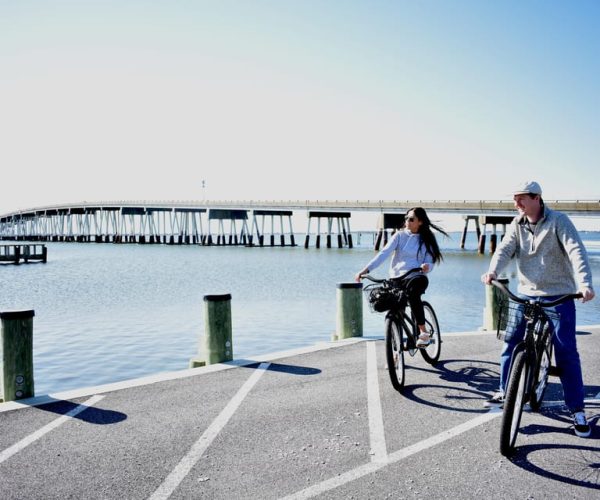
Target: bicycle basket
<point>509,315</point>
<point>512,316</point>
<point>381,298</point>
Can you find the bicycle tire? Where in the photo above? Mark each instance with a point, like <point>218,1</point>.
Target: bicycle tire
<point>431,353</point>
<point>514,401</point>
<point>540,377</point>
<point>394,351</point>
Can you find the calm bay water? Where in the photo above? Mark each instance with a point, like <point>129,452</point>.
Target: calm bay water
<point>105,313</point>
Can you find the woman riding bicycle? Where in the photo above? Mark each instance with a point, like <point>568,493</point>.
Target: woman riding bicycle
<point>412,247</point>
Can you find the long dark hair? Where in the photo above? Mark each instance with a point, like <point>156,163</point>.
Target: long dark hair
<point>427,236</point>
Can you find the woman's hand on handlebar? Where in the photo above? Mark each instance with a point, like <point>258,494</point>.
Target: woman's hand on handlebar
<point>360,275</point>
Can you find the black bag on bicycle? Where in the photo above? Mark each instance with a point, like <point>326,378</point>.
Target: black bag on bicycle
<point>382,299</point>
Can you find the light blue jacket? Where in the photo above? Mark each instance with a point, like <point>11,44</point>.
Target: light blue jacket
<point>406,254</point>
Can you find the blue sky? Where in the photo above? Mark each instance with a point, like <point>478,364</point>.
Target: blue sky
<point>431,99</point>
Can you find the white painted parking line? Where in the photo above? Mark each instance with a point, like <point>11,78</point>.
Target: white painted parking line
<point>17,447</point>
<point>369,468</point>
<point>376,428</point>
<point>183,468</point>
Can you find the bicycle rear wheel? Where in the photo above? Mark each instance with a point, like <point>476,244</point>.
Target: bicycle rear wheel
<point>431,353</point>
<point>514,401</point>
<point>394,352</point>
<point>540,377</point>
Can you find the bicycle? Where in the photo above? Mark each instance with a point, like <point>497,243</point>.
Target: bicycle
<point>401,330</point>
<point>531,359</point>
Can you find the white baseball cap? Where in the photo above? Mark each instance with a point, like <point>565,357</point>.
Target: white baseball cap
<point>528,187</point>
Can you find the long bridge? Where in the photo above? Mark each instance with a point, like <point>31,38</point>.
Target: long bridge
<point>245,222</point>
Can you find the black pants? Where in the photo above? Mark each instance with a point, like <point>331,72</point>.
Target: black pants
<point>415,286</point>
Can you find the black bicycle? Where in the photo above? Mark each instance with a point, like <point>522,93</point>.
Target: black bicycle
<point>401,330</point>
<point>531,359</point>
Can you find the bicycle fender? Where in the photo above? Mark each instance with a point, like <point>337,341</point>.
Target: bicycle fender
<point>518,348</point>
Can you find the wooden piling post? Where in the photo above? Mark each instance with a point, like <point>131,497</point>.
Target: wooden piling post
<point>17,354</point>
<point>378,239</point>
<point>493,240</point>
<point>349,311</point>
<point>217,341</point>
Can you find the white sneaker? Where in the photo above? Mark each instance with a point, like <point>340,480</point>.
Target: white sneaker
<point>581,425</point>
<point>424,340</point>
<point>496,401</point>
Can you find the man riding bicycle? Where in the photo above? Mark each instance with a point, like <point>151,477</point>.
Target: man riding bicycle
<point>551,261</point>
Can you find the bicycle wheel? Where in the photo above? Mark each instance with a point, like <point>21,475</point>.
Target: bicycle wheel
<point>431,353</point>
<point>540,377</point>
<point>513,403</point>
<point>394,352</point>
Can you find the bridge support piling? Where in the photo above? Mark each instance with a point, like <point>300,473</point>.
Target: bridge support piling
<point>392,221</point>
<point>467,219</point>
<point>339,217</point>
<point>481,245</point>
<point>493,220</point>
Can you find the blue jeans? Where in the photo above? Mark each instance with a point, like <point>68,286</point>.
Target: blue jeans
<point>565,354</point>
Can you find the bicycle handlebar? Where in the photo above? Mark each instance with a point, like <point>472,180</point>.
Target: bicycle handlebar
<point>382,280</point>
<point>520,300</point>
<point>373,279</point>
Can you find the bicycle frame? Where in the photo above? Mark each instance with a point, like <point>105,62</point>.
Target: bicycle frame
<point>534,341</point>
<point>401,328</point>
<point>398,311</point>
<point>406,321</point>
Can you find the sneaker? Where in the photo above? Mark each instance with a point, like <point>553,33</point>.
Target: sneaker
<point>580,425</point>
<point>496,401</point>
<point>424,340</point>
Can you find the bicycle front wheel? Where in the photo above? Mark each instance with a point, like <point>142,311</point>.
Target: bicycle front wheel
<point>431,353</point>
<point>540,377</point>
<point>394,352</point>
<point>514,401</point>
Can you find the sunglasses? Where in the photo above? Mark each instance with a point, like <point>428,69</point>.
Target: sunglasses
<point>411,219</point>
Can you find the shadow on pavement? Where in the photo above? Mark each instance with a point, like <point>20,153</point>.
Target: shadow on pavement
<point>283,368</point>
<point>90,414</point>
<point>570,464</point>
<point>478,380</point>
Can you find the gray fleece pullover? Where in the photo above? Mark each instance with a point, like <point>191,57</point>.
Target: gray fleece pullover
<point>551,258</point>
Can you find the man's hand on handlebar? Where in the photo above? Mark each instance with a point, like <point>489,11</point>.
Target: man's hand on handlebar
<point>586,294</point>
<point>488,277</point>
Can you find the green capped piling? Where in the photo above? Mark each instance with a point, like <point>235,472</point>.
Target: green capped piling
<point>217,341</point>
<point>349,311</point>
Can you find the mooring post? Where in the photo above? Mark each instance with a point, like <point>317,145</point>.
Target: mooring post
<point>349,311</point>
<point>493,298</point>
<point>17,354</point>
<point>217,342</point>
